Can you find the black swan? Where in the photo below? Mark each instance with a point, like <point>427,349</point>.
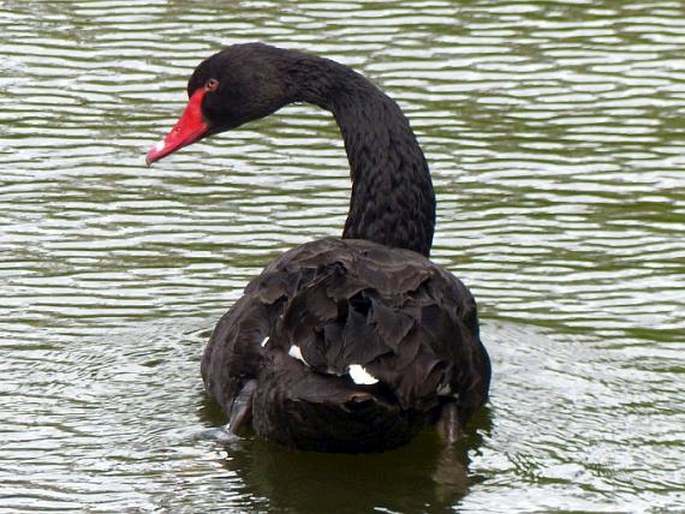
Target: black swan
<point>341,345</point>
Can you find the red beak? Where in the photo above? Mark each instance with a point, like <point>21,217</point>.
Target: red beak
<point>190,127</point>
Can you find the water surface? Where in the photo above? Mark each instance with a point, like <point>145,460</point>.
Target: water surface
<point>556,138</point>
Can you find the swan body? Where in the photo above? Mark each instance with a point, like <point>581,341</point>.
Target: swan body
<point>344,345</point>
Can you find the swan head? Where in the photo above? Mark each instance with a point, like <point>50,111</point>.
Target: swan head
<point>238,84</point>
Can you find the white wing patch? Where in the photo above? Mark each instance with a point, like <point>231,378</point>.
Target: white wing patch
<point>360,376</point>
<point>444,390</point>
<point>264,341</point>
<point>296,353</point>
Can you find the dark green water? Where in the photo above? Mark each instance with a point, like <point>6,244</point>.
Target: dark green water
<point>556,136</point>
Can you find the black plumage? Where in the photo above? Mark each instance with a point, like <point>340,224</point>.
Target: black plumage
<point>349,344</point>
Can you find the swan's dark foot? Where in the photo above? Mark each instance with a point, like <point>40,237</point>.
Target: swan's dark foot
<point>448,426</point>
<point>241,411</point>
<point>450,474</point>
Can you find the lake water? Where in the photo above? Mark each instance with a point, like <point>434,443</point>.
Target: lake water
<point>555,131</point>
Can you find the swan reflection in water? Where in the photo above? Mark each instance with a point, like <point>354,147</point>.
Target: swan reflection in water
<point>422,476</point>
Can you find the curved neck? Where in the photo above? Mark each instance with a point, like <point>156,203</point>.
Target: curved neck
<point>392,201</point>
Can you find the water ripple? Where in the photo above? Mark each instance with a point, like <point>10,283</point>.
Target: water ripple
<point>554,132</point>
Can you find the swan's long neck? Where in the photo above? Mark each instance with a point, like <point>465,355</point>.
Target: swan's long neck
<point>392,199</point>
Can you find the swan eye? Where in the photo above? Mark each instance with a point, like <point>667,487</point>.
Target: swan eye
<point>211,85</point>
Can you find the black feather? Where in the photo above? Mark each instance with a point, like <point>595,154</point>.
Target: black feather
<point>411,338</point>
